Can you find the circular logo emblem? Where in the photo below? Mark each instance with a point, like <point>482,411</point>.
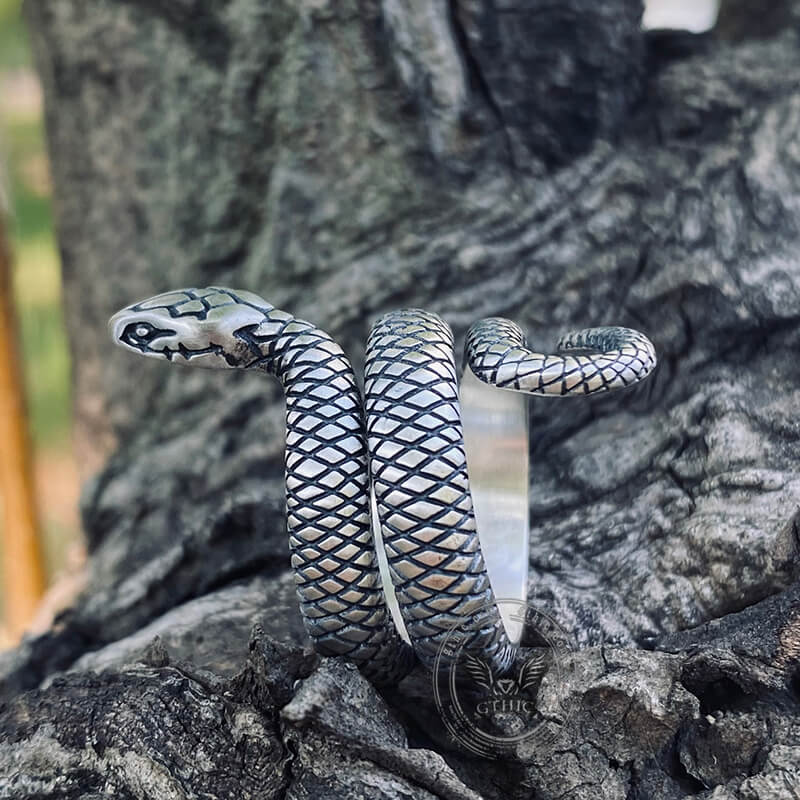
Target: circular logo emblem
<point>504,712</point>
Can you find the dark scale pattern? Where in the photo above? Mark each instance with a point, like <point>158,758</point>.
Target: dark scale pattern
<point>591,360</point>
<point>416,447</point>
<point>327,483</point>
<point>419,475</point>
<point>191,302</point>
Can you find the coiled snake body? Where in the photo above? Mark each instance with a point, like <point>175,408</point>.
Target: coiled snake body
<point>407,434</point>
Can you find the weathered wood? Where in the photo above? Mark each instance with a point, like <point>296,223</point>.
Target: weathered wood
<point>546,162</point>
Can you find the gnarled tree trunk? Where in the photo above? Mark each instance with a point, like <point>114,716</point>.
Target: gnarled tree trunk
<point>548,162</point>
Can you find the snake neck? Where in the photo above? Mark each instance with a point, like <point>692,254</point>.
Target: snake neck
<point>327,495</point>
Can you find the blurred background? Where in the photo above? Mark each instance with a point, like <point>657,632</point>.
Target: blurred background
<point>34,296</point>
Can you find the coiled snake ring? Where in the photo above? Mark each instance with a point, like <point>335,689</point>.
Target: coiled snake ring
<point>404,443</point>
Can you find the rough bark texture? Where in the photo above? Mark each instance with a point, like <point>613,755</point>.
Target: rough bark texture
<point>544,161</point>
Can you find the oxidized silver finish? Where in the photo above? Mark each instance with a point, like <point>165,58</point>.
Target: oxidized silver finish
<point>591,360</point>
<point>419,475</point>
<point>413,434</point>
<point>497,445</point>
<point>327,483</point>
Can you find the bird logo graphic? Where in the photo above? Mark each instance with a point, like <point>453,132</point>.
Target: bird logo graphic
<point>507,693</point>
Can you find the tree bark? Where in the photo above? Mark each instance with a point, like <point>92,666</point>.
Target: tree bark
<point>548,162</point>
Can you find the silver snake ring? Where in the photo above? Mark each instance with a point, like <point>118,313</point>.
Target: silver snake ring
<point>403,448</point>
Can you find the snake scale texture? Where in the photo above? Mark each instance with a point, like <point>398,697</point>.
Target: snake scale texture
<point>405,441</point>
<point>419,475</point>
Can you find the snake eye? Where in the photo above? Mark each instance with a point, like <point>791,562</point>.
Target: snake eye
<point>140,334</point>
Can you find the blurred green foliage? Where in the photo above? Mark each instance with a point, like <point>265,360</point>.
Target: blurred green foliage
<point>13,39</point>
<point>47,370</point>
<point>37,279</point>
<point>25,154</point>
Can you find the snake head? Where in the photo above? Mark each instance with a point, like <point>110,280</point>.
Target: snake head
<point>191,325</point>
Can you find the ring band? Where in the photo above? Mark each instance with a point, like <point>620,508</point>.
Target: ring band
<point>327,480</point>
<point>417,457</point>
<point>497,445</point>
<point>419,476</point>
